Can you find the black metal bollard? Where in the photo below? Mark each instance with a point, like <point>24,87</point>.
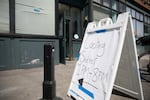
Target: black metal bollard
<point>49,83</point>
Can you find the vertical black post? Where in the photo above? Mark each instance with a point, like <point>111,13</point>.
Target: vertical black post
<point>12,16</point>
<point>49,84</point>
<point>56,17</point>
<point>90,12</point>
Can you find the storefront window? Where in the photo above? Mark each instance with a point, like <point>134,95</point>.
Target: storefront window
<point>4,16</point>
<point>145,19</point>
<point>122,7</point>
<point>35,17</point>
<point>97,1</point>
<point>134,26</point>
<point>149,20</point>
<point>141,17</point>
<point>106,3</point>
<point>128,9</point>
<point>140,30</point>
<point>85,20</point>
<point>138,15</point>
<point>147,25</point>
<point>133,13</point>
<point>64,9</point>
<point>100,13</point>
<point>114,4</point>
<point>75,14</point>
<point>114,16</point>
<point>146,29</point>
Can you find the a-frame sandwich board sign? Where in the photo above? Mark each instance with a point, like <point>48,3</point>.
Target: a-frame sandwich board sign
<point>101,58</point>
<point>128,75</point>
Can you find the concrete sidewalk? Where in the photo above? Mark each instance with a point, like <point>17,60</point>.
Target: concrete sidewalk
<point>26,84</point>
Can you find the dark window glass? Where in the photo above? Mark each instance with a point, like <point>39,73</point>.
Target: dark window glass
<point>138,15</point>
<point>114,4</point>
<point>133,13</point>
<point>106,3</point>
<point>97,1</point>
<point>122,7</point>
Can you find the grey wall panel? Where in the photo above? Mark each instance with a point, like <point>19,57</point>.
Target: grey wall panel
<point>2,53</point>
<point>25,53</point>
<point>31,51</point>
<point>5,53</point>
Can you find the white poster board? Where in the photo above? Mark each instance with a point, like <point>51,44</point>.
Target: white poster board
<point>4,16</point>
<point>35,17</point>
<point>98,60</point>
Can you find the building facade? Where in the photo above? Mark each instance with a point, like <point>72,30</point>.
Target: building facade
<point>25,26</point>
<point>74,16</point>
<point>140,13</point>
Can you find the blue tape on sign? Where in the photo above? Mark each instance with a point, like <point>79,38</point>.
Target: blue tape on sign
<point>86,91</point>
<point>101,31</point>
<point>78,57</point>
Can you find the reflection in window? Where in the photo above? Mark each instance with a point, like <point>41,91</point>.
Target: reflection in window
<point>141,17</point>
<point>106,3</point>
<point>146,29</point>
<point>60,30</point>
<point>146,19</point>
<point>98,1</point>
<point>114,4</point>
<point>75,14</point>
<point>85,20</point>
<point>100,13</point>
<point>128,9</point>
<point>137,15</point>
<point>140,30</point>
<point>75,29</point>
<point>134,26</point>
<point>64,9</point>
<point>114,16</point>
<point>4,16</point>
<point>122,7</point>
<point>133,13</point>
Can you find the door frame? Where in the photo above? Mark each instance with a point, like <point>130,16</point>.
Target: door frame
<point>70,57</point>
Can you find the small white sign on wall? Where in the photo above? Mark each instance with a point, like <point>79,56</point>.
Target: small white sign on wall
<point>99,61</point>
